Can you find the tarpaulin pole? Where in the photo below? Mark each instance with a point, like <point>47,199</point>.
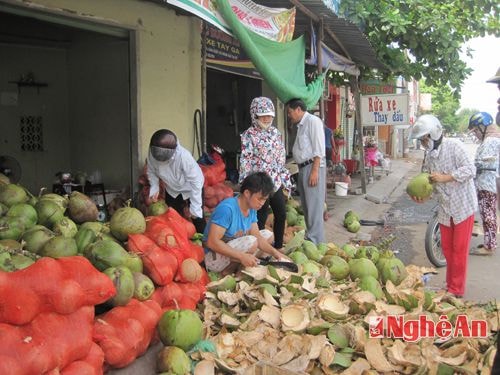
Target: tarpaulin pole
<point>353,81</point>
<point>319,50</point>
<point>203,126</point>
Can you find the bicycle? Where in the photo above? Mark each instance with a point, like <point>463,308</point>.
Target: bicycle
<point>433,247</point>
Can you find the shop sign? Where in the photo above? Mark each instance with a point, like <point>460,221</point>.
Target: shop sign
<point>225,53</point>
<point>368,88</point>
<point>277,24</point>
<point>385,110</point>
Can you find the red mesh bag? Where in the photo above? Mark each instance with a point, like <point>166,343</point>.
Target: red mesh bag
<point>125,332</point>
<point>166,295</point>
<point>92,364</point>
<point>50,341</point>
<point>160,265</point>
<point>59,285</point>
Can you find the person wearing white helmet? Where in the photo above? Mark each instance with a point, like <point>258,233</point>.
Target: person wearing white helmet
<point>452,173</point>
<point>486,160</point>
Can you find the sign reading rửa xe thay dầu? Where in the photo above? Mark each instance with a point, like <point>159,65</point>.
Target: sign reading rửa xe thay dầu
<point>391,109</point>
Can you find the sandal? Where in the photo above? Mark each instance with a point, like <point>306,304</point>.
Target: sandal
<point>480,250</point>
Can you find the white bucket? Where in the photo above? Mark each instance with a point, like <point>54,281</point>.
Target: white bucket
<point>341,189</point>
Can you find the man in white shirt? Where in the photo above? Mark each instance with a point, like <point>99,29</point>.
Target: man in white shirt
<point>309,154</point>
<point>175,166</point>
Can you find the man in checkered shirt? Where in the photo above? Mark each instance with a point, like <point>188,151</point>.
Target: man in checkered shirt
<point>452,173</point>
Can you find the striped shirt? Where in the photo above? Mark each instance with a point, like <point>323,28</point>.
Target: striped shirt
<point>457,199</point>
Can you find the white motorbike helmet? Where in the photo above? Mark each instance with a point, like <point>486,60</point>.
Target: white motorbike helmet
<point>427,124</point>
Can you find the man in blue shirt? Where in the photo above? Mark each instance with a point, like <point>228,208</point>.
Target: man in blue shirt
<point>232,236</point>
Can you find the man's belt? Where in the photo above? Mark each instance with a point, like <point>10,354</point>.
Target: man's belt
<point>307,162</point>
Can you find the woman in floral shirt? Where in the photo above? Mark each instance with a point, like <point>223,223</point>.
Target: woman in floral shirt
<point>262,150</point>
<point>486,162</point>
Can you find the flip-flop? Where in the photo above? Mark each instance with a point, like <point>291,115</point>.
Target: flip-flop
<point>480,251</point>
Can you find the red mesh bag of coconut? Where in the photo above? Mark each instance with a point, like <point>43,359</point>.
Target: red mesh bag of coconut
<point>125,332</point>
<point>166,295</point>
<point>182,229</point>
<point>92,364</point>
<point>159,265</point>
<point>73,283</point>
<point>48,342</point>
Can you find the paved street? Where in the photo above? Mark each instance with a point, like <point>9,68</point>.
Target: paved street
<point>408,222</point>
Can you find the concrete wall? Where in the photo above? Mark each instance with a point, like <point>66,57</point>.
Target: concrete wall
<point>168,59</point>
<point>38,167</point>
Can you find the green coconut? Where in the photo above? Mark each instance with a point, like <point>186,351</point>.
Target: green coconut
<point>291,218</point>
<point>11,228</point>
<point>20,261</point>
<point>181,328</point>
<point>25,212</point>
<point>384,257</point>
<point>371,284</point>
<point>311,268</point>
<point>420,186</point>
<point>358,268</point>
<point>173,360</point>
<point>348,220</point>
<point>338,267</point>
<point>143,286</point>
<point>84,237</point>
<point>3,209</point>
<point>81,208</point>
<point>125,221</point>
<point>58,247</point>
<point>350,250</point>
<point>105,253</point>
<point>61,201</point>
<point>369,252</point>
<point>12,194</point>
<point>48,213</point>
<point>123,281</point>
<point>157,208</point>
<point>301,221</point>
<point>134,263</point>
<point>36,238</point>
<point>298,257</point>
<point>352,214</point>
<point>394,270</point>
<point>95,226</point>
<point>65,227</point>
<point>8,244</point>
<point>311,251</point>
<point>226,284</point>
<point>354,227</point>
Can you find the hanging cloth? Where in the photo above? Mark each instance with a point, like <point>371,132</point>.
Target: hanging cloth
<point>281,64</point>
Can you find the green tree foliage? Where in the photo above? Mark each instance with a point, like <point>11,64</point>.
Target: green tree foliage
<point>444,105</point>
<point>423,38</point>
<point>463,117</point>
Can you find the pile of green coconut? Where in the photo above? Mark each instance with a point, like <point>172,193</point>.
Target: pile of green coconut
<point>316,321</point>
<point>52,225</point>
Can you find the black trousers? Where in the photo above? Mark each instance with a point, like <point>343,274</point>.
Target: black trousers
<point>179,204</point>
<point>277,202</point>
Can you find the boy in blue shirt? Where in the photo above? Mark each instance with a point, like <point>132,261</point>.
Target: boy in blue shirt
<point>232,236</point>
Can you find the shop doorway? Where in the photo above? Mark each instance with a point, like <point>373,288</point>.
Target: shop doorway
<point>65,87</point>
<point>228,102</point>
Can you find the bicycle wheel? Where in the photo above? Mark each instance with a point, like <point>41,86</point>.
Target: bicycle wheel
<point>433,244</point>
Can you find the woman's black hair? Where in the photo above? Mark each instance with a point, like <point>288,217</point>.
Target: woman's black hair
<point>258,182</point>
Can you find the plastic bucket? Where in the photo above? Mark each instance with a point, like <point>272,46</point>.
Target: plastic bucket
<point>341,189</point>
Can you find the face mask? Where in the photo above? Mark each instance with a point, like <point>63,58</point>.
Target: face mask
<point>162,154</point>
<point>264,125</point>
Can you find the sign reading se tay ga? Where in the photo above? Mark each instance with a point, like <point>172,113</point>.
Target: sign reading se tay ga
<point>391,109</point>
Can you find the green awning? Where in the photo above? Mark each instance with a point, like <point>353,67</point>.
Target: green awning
<point>280,64</point>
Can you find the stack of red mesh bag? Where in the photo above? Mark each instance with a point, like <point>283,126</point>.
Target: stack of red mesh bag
<point>214,189</point>
<point>171,260</point>
<point>47,316</point>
